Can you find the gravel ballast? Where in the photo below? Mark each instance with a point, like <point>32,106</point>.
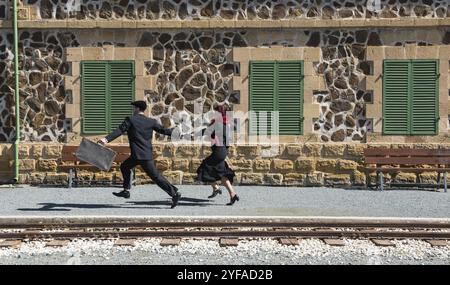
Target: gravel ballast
<point>208,251</point>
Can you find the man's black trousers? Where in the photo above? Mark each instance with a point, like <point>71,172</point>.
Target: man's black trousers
<point>150,169</point>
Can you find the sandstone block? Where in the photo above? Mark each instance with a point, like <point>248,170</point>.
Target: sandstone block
<point>174,177</point>
<point>86,176</point>
<point>158,150</point>
<point>195,163</point>
<point>347,165</point>
<point>333,150</point>
<point>273,179</point>
<point>294,150</point>
<point>52,151</point>
<point>248,150</point>
<point>241,164</point>
<point>359,178</point>
<point>103,177</point>
<point>355,150</point>
<point>47,164</point>
<point>189,178</point>
<point>56,178</point>
<point>312,150</point>
<point>180,164</point>
<point>305,165</point>
<point>187,151</point>
<point>206,151</point>
<point>314,179</point>
<point>24,178</point>
<point>405,177</point>
<point>24,151</point>
<point>429,177</point>
<point>251,178</point>
<point>373,178</point>
<point>337,180</point>
<point>26,164</point>
<point>36,178</point>
<point>270,151</point>
<point>282,165</point>
<point>261,164</point>
<point>326,165</point>
<point>297,179</point>
<point>36,151</point>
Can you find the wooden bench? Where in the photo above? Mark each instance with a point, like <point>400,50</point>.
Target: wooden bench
<point>407,160</point>
<point>72,164</point>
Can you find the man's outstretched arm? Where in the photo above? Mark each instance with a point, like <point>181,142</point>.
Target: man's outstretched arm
<point>123,128</point>
<point>160,129</point>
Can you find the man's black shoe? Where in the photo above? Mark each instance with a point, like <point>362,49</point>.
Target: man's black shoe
<point>125,194</point>
<point>175,200</point>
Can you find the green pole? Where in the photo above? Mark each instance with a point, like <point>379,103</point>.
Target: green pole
<point>16,92</point>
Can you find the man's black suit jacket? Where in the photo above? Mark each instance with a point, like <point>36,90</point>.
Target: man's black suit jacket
<point>140,132</point>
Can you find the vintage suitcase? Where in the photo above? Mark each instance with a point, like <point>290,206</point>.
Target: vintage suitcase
<point>95,154</point>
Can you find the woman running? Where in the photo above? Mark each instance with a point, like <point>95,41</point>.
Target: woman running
<point>214,168</point>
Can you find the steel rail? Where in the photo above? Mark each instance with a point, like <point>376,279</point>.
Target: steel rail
<point>227,224</point>
<point>269,233</point>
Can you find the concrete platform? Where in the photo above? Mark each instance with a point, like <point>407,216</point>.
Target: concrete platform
<point>255,201</point>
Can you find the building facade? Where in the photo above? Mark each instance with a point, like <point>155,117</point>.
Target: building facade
<point>343,75</point>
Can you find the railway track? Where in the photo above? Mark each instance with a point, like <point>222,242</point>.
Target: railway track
<point>227,228</point>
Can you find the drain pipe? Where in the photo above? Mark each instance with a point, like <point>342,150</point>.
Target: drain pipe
<point>16,91</point>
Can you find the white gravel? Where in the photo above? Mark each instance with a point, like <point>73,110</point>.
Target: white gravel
<point>208,251</point>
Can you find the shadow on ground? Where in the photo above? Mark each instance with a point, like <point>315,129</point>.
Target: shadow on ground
<point>184,201</point>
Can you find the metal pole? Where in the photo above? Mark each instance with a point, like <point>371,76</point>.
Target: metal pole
<point>16,91</point>
<point>445,182</point>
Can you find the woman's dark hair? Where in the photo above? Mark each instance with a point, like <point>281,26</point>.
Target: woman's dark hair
<point>222,109</point>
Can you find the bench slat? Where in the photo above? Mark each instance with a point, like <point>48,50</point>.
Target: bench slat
<point>406,152</point>
<point>407,169</point>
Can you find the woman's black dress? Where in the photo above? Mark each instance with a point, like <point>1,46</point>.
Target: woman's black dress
<point>214,167</point>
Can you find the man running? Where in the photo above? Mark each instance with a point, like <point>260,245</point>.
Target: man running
<point>140,132</point>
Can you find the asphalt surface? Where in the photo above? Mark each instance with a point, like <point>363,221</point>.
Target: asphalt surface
<point>149,200</point>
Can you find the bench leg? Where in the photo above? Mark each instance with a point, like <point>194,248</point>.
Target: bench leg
<point>76,178</point>
<point>70,178</point>
<point>445,182</point>
<point>381,181</point>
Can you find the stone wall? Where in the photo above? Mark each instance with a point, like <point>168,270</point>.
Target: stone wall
<point>236,9</point>
<point>193,66</point>
<point>309,164</point>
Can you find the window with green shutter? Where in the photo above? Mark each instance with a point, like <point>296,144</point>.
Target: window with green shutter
<point>107,88</point>
<point>276,86</point>
<point>410,97</point>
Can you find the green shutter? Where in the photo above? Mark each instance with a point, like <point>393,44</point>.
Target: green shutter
<point>396,111</point>
<point>424,97</point>
<point>121,92</point>
<point>107,88</point>
<point>94,92</point>
<point>290,97</point>
<point>277,86</point>
<point>262,93</point>
<point>410,97</point>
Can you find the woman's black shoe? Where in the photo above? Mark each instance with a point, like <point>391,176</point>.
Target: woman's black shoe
<point>234,199</point>
<point>175,200</point>
<point>215,192</point>
<point>125,194</point>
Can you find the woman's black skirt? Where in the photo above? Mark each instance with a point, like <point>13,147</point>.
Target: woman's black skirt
<point>214,167</point>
